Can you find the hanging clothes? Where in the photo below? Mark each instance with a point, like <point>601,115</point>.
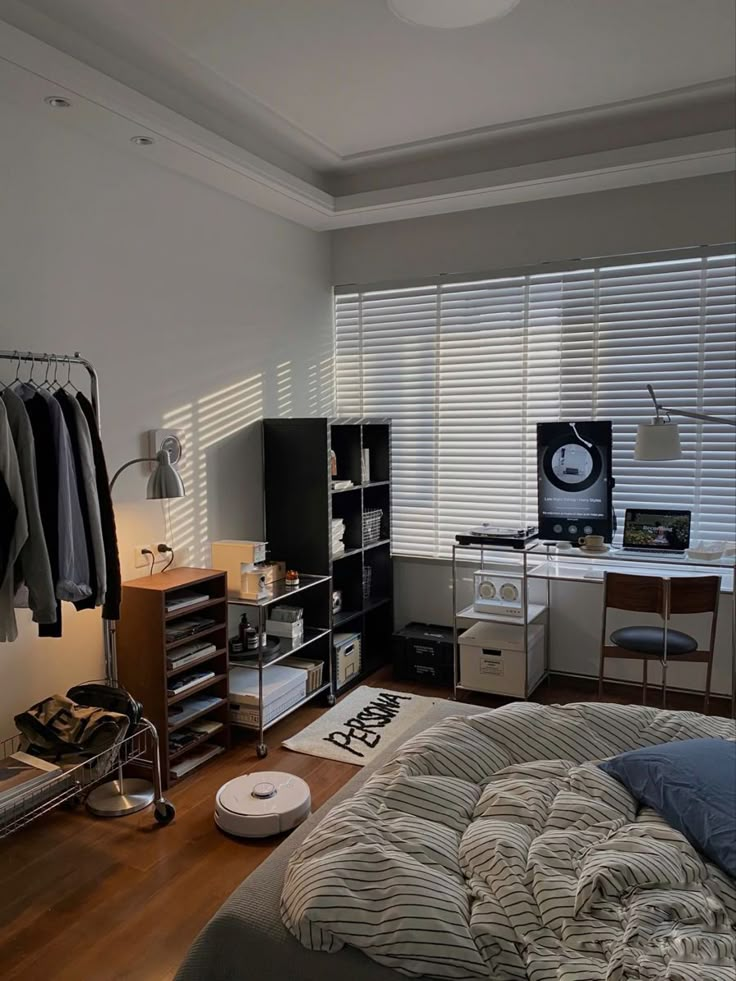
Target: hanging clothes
<point>113,587</point>
<point>87,491</point>
<point>73,582</point>
<point>8,514</point>
<point>48,495</point>
<point>33,569</point>
<point>10,472</point>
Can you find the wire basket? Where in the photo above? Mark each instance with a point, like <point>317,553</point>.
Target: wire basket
<point>372,526</point>
<point>367,579</point>
<point>72,782</point>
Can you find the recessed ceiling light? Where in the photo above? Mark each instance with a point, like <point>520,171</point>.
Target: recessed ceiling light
<point>57,102</point>
<point>142,140</point>
<point>450,13</point>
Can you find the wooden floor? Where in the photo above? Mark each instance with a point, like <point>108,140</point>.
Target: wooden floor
<point>92,900</point>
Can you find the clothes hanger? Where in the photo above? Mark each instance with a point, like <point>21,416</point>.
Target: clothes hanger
<point>54,382</point>
<point>46,383</point>
<point>69,383</point>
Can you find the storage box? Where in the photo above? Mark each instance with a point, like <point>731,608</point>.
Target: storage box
<point>293,632</point>
<point>314,669</point>
<point>423,652</point>
<point>230,555</point>
<point>492,658</point>
<point>282,688</point>
<point>347,657</point>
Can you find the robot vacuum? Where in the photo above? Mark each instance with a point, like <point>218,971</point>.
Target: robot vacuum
<point>262,804</point>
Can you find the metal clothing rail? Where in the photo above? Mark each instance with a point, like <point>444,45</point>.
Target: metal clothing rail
<point>124,795</point>
<point>59,360</point>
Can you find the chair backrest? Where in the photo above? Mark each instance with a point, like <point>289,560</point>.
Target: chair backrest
<point>646,594</point>
<point>695,594</point>
<point>636,594</point>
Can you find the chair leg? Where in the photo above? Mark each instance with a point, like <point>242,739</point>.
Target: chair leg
<point>600,676</point>
<point>708,673</point>
<point>644,683</point>
<point>664,683</point>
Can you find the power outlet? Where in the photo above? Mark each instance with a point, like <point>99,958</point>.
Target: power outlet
<point>143,561</point>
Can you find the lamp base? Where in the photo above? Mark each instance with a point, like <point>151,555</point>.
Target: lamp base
<point>116,798</point>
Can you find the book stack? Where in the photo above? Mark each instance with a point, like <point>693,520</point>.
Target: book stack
<point>341,485</point>
<point>338,536</point>
<point>187,653</point>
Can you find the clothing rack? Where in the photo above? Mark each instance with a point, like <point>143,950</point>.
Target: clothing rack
<point>121,796</point>
<point>60,360</point>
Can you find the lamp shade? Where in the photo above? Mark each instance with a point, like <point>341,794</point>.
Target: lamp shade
<point>164,482</point>
<point>657,440</point>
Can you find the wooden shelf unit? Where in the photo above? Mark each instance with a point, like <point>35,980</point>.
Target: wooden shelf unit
<point>300,503</point>
<point>142,651</point>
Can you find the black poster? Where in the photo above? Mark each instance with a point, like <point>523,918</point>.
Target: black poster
<point>574,480</point>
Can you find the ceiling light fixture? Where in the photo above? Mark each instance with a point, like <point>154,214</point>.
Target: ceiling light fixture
<point>57,102</point>
<point>450,13</point>
<point>142,140</point>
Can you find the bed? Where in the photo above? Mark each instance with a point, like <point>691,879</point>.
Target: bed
<point>500,851</point>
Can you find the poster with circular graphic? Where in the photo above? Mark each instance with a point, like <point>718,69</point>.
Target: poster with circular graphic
<point>574,480</point>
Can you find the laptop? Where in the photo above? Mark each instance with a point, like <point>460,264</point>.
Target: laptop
<point>652,531</point>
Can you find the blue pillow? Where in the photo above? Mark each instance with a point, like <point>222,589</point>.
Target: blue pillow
<point>692,784</point>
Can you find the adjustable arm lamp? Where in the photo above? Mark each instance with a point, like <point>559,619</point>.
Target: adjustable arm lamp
<point>127,795</point>
<point>660,438</point>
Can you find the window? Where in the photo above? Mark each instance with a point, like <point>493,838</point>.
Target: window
<point>467,369</point>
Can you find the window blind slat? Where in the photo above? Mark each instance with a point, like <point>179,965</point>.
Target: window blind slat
<point>466,370</point>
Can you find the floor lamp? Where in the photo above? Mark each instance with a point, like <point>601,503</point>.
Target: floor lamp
<point>660,440</point>
<point>127,795</point>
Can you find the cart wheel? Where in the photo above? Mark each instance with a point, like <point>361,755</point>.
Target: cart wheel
<point>164,812</point>
<point>261,751</point>
<point>331,699</point>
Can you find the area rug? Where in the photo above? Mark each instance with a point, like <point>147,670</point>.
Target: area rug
<point>361,725</point>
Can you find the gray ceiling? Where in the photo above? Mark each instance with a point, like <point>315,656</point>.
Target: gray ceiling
<point>343,88</point>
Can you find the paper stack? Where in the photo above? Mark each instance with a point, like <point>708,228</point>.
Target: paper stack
<point>338,535</point>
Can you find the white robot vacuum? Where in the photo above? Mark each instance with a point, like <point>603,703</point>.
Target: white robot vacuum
<point>262,804</point>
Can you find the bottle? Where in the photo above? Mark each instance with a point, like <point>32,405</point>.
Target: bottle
<point>248,634</point>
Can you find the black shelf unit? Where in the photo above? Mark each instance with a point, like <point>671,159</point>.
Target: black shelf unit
<point>300,503</point>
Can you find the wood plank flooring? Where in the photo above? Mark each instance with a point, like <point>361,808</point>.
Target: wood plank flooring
<point>92,900</point>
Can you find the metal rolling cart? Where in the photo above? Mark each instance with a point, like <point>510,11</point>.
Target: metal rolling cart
<point>73,783</point>
<point>532,613</point>
<point>316,640</point>
<point>123,795</point>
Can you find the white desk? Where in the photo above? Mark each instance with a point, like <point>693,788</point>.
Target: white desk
<point>545,562</point>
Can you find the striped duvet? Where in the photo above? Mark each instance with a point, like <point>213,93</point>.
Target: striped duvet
<point>492,847</point>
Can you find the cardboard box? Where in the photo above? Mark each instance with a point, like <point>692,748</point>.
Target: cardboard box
<point>293,632</point>
<point>493,659</point>
<point>230,555</point>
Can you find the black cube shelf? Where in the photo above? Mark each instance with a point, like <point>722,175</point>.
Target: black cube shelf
<point>301,502</point>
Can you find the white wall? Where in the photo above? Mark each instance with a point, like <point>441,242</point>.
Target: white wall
<point>200,312</point>
<point>656,217</point>
<point>676,214</point>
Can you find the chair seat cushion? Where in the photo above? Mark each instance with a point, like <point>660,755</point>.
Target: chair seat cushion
<point>650,640</point>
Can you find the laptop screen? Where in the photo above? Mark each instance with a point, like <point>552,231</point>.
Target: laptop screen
<point>657,531</point>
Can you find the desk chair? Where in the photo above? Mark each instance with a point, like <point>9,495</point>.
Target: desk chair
<point>665,596</point>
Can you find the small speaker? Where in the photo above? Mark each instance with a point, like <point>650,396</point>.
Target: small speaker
<point>496,591</point>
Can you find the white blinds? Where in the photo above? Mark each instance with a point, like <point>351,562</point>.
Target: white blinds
<point>466,370</point>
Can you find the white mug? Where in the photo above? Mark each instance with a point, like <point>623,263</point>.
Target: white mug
<point>591,541</point>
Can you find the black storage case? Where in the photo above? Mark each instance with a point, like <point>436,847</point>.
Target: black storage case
<point>423,652</point>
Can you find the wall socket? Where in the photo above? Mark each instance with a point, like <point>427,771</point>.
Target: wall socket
<point>142,561</point>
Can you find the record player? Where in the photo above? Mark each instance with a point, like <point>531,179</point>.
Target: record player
<point>488,534</point>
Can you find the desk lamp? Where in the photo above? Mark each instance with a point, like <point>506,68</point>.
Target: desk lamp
<point>660,438</point>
